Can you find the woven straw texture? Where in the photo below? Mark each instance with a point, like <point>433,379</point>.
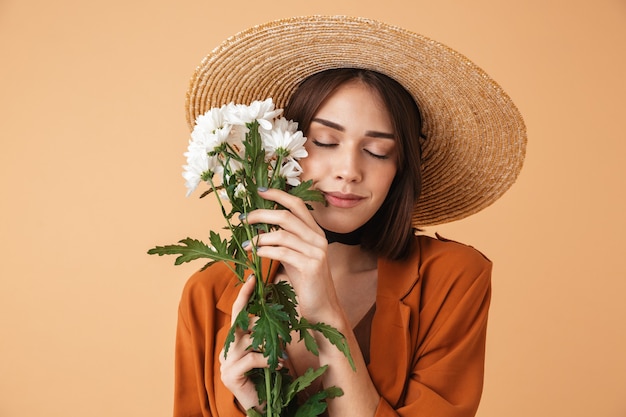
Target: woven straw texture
<point>475,136</point>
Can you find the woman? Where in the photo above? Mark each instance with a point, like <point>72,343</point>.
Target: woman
<point>413,308</point>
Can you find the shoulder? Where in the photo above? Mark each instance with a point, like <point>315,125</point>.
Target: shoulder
<point>440,249</point>
<point>445,263</point>
<point>436,264</point>
<point>207,287</point>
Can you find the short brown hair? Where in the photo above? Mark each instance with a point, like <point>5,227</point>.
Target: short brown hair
<point>389,232</point>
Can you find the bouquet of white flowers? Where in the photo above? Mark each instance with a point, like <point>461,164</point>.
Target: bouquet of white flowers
<point>246,148</point>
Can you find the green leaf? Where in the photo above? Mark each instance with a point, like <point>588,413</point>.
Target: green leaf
<point>303,327</point>
<point>253,413</point>
<point>303,382</point>
<point>279,182</point>
<point>309,342</point>
<point>257,376</point>
<point>242,321</point>
<point>304,192</point>
<point>333,392</point>
<point>220,245</point>
<point>282,293</point>
<point>335,337</point>
<point>190,250</point>
<point>276,394</point>
<point>269,329</point>
<point>316,403</point>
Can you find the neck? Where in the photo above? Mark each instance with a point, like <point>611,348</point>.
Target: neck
<point>351,238</point>
<point>346,255</point>
<point>347,260</point>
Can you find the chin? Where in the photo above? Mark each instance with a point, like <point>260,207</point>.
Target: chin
<point>339,222</point>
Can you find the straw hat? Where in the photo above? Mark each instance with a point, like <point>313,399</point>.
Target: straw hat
<point>475,136</point>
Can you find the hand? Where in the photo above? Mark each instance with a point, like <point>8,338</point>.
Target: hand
<point>240,359</point>
<point>301,247</point>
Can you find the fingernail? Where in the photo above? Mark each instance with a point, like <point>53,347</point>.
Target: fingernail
<point>242,216</point>
<point>245,244</point>
<point>262,189</point>
<point>251,276</point>
<point>285,356</point>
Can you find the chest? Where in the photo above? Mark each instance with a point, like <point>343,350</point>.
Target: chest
<point>356,296</point>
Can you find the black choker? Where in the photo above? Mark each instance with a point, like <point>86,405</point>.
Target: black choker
<point>351,238</point>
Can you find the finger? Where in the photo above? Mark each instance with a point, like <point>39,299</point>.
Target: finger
<point>294,259</point>
<point>242,298</point>
<point>293,204</point>
<point>237,368</point>
<point>288,221</point>
<point>312,247</point>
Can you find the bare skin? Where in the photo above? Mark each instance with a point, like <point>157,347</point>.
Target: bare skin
<point>352,161</point>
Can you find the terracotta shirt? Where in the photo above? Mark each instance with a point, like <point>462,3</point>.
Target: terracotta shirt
<point>427,344</point>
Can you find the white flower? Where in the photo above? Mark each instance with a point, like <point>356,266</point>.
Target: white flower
<point>192,177</point>
<point>264,112</point>
<point>227,125</point>
<point>238,135</point>
<point>261,111</point>
<point>199,164</point>
<point>282,140</point>
<point>211,120</point>
<point>196,152</point>
<point>205,137</point>
<point>240,191</point>
<point>291,171</point>
<point>193,172</point>
<point>212,140</point>
<point>214,128</point>
<point>287,125</point>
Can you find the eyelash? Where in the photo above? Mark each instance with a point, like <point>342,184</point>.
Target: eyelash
<point>377,156</point>
<point>323,145</point>
<point>330,145</point>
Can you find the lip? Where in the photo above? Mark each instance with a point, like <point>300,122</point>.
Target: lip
<point>342,200</point>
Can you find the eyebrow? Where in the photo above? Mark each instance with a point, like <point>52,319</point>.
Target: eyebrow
<point>338,127</point>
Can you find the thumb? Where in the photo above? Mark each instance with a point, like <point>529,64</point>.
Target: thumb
<point>244,295</point>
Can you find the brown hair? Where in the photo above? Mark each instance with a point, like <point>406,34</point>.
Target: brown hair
<point>389,232</point>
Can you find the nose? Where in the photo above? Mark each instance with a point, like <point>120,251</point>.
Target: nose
<point>347,166</point>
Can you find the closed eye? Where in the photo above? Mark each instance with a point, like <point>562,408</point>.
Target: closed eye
<point>332,145</point>
<point>322,144</point>
<point>377,156</point>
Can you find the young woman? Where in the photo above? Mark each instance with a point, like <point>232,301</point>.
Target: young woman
<point>413,308</point>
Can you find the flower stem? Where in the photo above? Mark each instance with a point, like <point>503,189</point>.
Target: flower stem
<point>276,170</point>
<point>268,392</point>
<point>228,223</point>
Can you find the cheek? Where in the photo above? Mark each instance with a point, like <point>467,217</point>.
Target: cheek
<point>385,180</point>
<point>310,166</point>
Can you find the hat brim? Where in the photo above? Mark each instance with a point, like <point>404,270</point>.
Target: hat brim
<point>475,136</point>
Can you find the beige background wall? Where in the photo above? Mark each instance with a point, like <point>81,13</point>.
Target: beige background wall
<point>92,132</point>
